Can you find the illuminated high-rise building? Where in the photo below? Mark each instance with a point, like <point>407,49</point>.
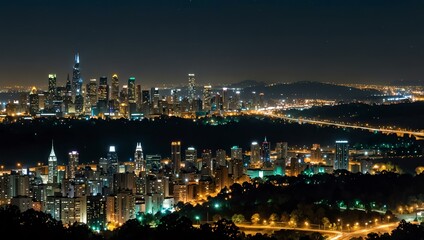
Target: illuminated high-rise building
<point>114,93</point>
<point>207,97</point>
<point>236,153</point>
<point>176,156</point>
<point>34,102</point>
<point>92,92</point>
<point>72,164</point>
<point>341,158</point>
<point>52,84</point>
<point>52,164</point>
<point>103,93</point>
<point>191,155</point>
<point>265,153</point>
<point>112,159</point>
<point>255,155</point>
<point>140,164</point>
<point>207,164</point>
<point>191,87</point>
<point>103,96</point>
<point>76,77</point>
<point>77,94</point>
<point>221,157</point>
<point>131,90</point>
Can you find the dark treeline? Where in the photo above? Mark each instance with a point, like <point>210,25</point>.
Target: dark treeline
<point>29,142</point>
<point>405,115</point>
<point>32,224</point>
<point>319,199</point>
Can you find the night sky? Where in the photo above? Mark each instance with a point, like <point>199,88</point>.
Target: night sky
<point>222,41</point>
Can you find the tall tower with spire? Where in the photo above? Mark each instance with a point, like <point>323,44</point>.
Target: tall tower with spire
<point>140,163</point>
<point>52,163</point>
<point>77,85</point>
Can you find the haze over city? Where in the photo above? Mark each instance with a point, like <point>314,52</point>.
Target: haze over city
<point>159,42</point>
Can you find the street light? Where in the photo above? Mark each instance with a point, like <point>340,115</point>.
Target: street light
<point>341,224</point>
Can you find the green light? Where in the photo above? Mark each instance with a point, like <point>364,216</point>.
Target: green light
<point>197,217</point>
<point>216,205</point>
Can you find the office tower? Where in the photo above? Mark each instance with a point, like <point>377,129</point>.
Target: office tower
<point>52,85</point>
<point>316,152</point>
<point>207,97</point>
<point>221,157</point>
<point>255,155</point>
<point>96,212</point>
<point>34,104</point>
<point>140,164</point>
<point>131,90</point>
<point>191,155</point>
<point>138,95</point>
<point>191,87</point>
<point>123,182</point>
<point>112,159</point>
<point>76,77</point>
<point>155,97</point>
<point>224,99</point>
<point>19,185</point>
<point>103,96</point>
<point>114,93</point>
<point>52,163</point>
<point>176,156</point>
<point>72,164</point>
<point>145,95</point>
<point>265,153</point>
<point>92,93</point>
<point>341,158</point>
<point>77,86</point>
<point>236,153</point>
<point>207,165</point>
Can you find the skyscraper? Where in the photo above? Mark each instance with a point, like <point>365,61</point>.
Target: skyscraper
<point>76,77</point>
<point>52,164</point>
<point>140,164</point>
<point>176,156</point>
<point>131,90</point>
<point>207,97</point>
<point>103,96</point>
<point>92,92</point>
<point>265,153</point>
<point>236,153</point>
<point>52,84</point>
<point>114,93</point>
<point>77,86</point>
<point>255,155</point>
<point>191,87</point>
<point>112,160</point>
<point>34,103</point>
<point>72,164</point>
<point>341,158</point>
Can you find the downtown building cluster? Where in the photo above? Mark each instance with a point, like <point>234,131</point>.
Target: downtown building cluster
<point>113,98</point>
<point>110,192</point>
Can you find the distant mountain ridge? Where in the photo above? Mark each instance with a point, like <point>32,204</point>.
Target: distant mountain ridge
<point>309,89</point>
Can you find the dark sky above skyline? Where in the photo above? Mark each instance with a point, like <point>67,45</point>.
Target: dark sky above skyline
<point>222,41</point>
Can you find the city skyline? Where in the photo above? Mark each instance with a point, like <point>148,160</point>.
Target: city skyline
<point>159,42</point>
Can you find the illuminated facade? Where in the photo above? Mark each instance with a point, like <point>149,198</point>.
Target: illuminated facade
<point>191,87</point>
<point>176,156</point>
<point>72,164</point>
<point>341,158</point>
<point>52,163</point>
<point>140,164</point>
